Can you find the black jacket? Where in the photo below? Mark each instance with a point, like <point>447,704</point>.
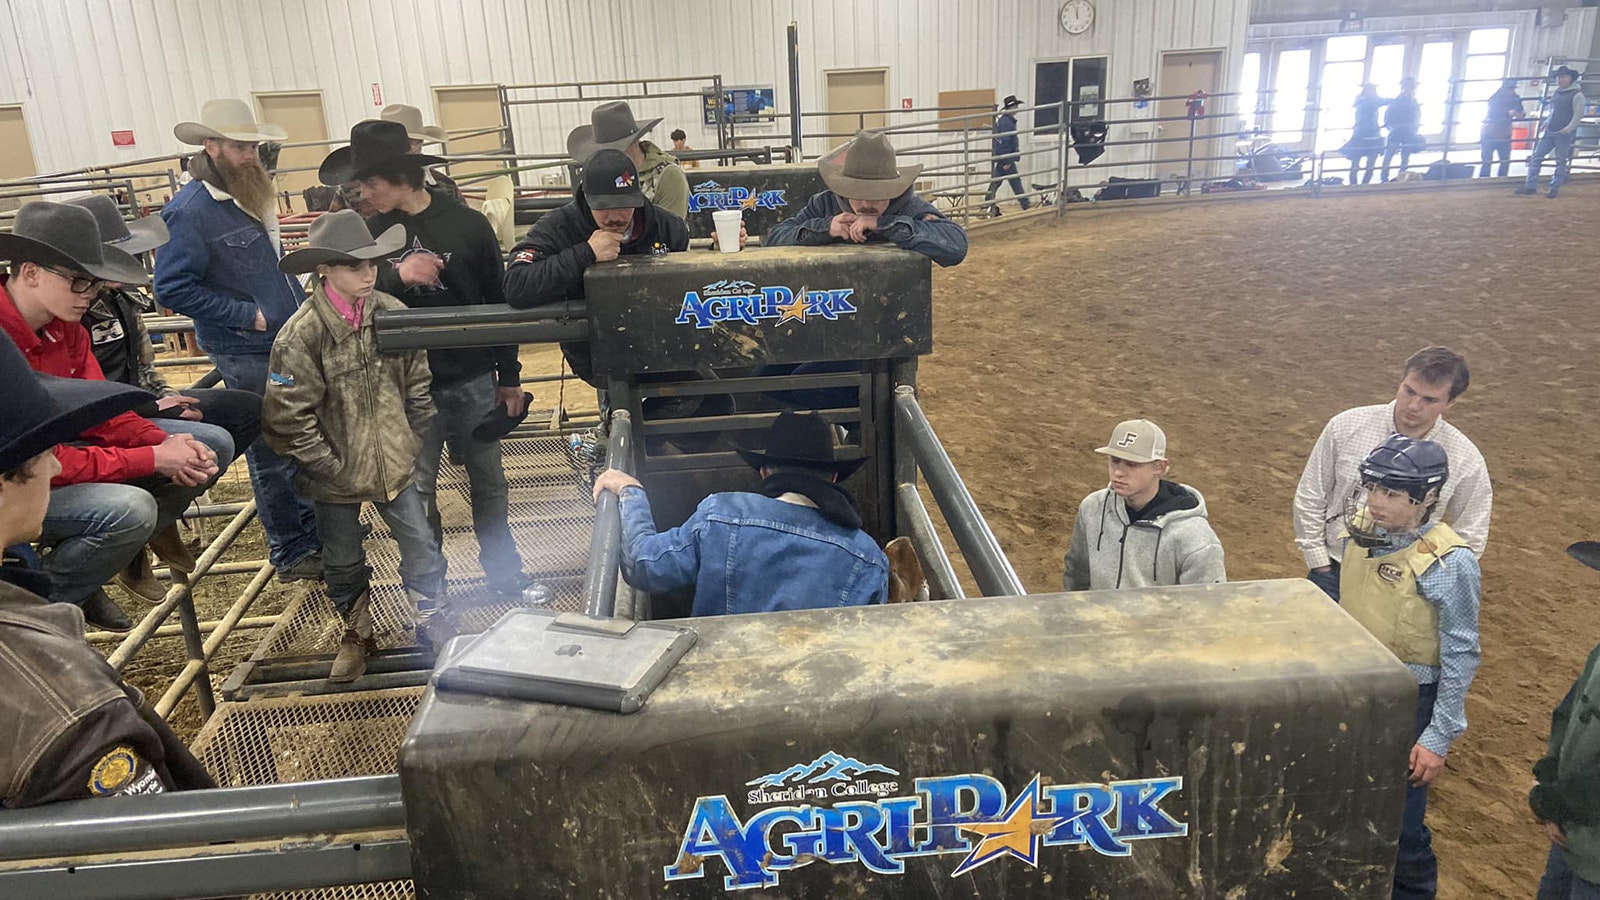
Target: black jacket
<point>547,265</point>
<point>472,276</point>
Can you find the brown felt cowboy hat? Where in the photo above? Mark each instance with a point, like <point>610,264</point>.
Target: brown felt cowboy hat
<point>375,145</point>
<point>864,169</point>
<point>341,238</point>
<point>228,120</point>
<point>799,439</point>
<point>140,235</point>
<point>67,236</point>
<point>411,118</point>
<point>611,127</point>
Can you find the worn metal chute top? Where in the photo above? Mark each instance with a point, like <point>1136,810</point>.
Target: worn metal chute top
<point>765,194</point>
<point>1198,741</point>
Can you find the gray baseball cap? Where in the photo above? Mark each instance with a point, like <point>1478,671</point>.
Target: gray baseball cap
<point>1136,440</point>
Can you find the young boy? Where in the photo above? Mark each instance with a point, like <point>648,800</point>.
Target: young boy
<point>1415,585</point>
<point>335,405</point>
<point>1566,798</point>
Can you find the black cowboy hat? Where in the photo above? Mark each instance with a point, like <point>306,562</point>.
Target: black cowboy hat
<point>1586,552</point>
<point>142,234</point>
<point>498,423</point>
<point>60,234</point>
<point>374,145</point>
<point>1011,102</point>
<point>341,237</point>
<point>42,411</point>
<point>800,439</point>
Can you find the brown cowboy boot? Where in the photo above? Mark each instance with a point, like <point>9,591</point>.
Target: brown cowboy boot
<point>140,580</point>
<point>351,660</point>
<point>169,546</point>
<point>436,623</point>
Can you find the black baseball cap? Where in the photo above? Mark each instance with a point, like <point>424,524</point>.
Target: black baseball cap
<point>610,181</point>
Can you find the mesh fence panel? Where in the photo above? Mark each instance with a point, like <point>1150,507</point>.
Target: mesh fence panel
<point>552,521</point>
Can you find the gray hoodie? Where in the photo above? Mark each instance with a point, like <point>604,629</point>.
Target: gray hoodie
<point>1173,546</point>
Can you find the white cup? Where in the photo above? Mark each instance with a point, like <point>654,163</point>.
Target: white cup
<point>727,224</point>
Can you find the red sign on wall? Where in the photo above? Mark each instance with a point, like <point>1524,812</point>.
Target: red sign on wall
<point>905,103</point>
<point>377,94</point>
<point>122,138</point>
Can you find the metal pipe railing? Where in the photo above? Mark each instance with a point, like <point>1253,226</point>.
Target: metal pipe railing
<point>135,824</point>
<point>195,668</point>
<point>990,568</point>
<point>485,325</point>
<point>605,548</point>
<point>917,525</point>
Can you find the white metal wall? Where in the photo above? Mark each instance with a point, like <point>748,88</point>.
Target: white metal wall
<point>85,67</point>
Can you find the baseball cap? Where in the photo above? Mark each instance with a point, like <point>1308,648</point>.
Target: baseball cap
<point>1136,440</point>
<point>610,181</point>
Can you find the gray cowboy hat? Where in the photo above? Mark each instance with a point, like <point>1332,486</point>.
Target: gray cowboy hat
<point>375,144</point>
<point>339,238</point>
<point>799,439</point>
<point>60,234</point>
<point>139,236</point>
<point>611,127</point>
<point>411,118</point>
<point>864,169</point>
<point>228,120</point>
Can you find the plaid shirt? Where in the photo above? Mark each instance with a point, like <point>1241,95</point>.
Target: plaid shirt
<point>1332,476</point>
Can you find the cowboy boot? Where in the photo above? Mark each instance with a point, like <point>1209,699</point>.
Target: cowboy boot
<point>168,545</point>
<point>351,660</point>
<point>140,580</point>
<point>436,624</point>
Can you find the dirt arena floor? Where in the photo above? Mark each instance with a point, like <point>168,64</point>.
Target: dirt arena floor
<point>1241,327</point>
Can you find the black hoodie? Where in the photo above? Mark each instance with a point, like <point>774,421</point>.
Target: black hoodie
<point>547,266</point>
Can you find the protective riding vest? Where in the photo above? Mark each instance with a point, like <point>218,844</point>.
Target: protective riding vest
<point>1381,593</point>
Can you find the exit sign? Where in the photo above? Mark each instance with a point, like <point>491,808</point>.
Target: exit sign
<point>905,103</point>
<point>377,94</point>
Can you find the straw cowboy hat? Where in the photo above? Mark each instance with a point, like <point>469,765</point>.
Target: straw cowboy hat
<point>141,235</point>
<point>374,144</point>
<point>228,120</point>
<point>411,118</point>
<point>341,238</point>
<point>799,439</point>
<point>60,234</point>
<point>864,169</point>
<point>611,127</point>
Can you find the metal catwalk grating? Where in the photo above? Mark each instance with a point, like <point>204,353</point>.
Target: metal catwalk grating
<point>306,738</point>
<point>551,521</point>
<point>382,890</point>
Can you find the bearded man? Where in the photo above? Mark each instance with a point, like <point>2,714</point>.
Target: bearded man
<point>220,269</point>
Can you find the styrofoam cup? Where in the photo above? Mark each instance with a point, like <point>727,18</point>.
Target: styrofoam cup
<point>727,224</point>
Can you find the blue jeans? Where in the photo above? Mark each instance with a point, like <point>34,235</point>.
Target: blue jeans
<point>344,559</point>
<point>1005,172</point>
<point>461,406</point>
<point>1416,869</point>
<point>92,532</point>
<point>289,519</point>
<point>1561,883</point>
<point>1561,146</point>
<point>1328,581</point>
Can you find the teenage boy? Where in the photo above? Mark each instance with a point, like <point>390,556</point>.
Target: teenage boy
<point>1567,107</point>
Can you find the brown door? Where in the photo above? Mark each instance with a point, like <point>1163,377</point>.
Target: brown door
<point>853,90</point>
<point>299,113</point>
<point>16,149</point>
<point>1181,75</point>
<point>471,109</point>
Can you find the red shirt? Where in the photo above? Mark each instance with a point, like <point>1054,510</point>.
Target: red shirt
<point>120,450</point>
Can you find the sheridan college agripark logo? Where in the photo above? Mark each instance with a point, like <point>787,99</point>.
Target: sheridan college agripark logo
<point>711,195</point>
<point>871,820</point>
<point>742,301</point>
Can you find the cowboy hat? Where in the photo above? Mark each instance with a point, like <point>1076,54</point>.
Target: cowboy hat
<point>374,145</point>
<point>411,118</point>
<point>1011,102</point>
<point>1586,552</point>
<point>341,238</point>
<point>42,411</point>
<point>228,120</point>
<point>1568,71</point>
<point>799,439</point>
<point>611,127</point>
<point>60,234</point>
<point>864,169</point>
<point>140,235</point>
<point>497,423</point>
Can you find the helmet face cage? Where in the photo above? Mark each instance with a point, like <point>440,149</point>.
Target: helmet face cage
<point>1364,530</point>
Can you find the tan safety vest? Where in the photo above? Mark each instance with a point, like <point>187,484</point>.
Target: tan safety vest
<point>1382,594</point>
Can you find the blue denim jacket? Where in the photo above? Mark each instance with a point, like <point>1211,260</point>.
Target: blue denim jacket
<point>910,223</point>
<point>747,553</point>
<point>218,269</point>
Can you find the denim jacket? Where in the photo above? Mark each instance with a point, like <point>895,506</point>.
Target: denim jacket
<point>220,266</point>
<point>747,553</point>
<point>910,223</point>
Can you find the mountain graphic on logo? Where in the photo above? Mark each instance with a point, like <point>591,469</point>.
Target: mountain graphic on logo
<point>708,186</point>
<point>729,287</point>
<point>829,766</point>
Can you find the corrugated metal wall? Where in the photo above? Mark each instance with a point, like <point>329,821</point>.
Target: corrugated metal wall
<point>85,67</point>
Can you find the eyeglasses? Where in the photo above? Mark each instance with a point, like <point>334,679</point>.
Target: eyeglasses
<point>80,284</point>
